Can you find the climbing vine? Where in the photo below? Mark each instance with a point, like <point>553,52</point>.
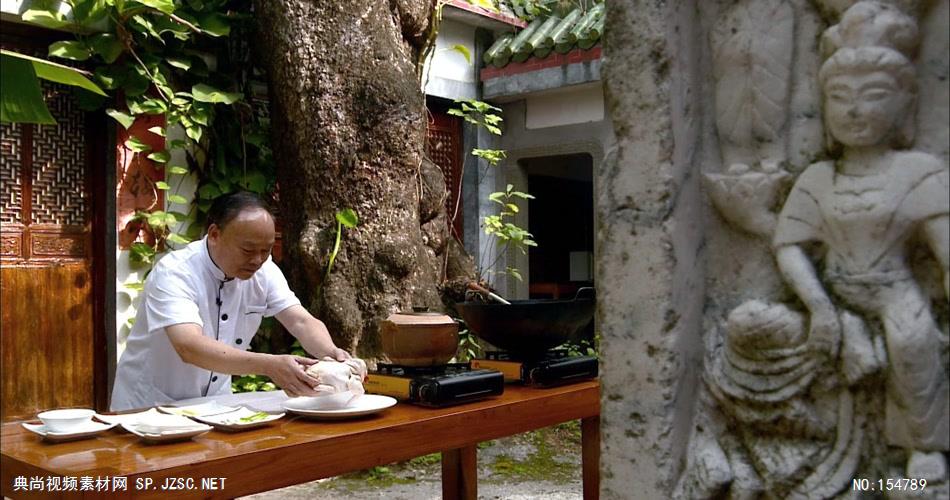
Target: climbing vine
<point>172,59</point>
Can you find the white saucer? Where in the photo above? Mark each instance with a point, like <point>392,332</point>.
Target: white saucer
<point>239,419</point>
<point>363,405</point>
<point>168,436</point>
<point>85,431</point>
<point>200,410</point>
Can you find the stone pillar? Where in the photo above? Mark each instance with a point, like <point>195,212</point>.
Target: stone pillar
<point>649,274</point>
<point>774,235</point>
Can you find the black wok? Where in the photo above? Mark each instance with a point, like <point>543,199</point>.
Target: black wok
<point>529,327</point>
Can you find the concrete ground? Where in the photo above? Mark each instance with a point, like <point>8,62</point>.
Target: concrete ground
<point>544,464</point>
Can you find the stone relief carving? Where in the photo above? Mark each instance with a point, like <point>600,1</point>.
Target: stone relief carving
<point>799,403</point>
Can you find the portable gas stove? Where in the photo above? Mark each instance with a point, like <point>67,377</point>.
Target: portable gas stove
<point>553,367</point>
<point>442,385</point>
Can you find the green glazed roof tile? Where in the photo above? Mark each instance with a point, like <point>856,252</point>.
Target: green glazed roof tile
<point>542,36</point>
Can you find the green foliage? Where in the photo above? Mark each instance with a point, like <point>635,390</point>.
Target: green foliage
<point>344,218</point>
<point>152,55</point>
<point>504,232</point>
<point>478,113</point>
<point>492,156</point>
<point>469,348</point>
<point>21,99</point>
<point>251,383</point>
<point>500,227</point>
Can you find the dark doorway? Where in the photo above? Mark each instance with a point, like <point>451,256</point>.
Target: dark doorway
<point>561,218</point>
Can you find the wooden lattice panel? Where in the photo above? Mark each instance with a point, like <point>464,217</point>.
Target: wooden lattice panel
<point>58,194</point>
<point>443,147</point>
<point>11,173</point>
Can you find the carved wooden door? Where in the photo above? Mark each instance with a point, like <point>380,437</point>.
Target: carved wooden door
<point>444,147</point>
<point>51,294</point>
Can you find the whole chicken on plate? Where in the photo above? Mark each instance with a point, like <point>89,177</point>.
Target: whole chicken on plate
<point>336,376</point>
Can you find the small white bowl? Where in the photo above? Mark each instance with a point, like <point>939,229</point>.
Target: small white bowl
<point>67,420</point>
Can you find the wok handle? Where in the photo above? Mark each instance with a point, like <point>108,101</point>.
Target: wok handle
<point>478,288</point>
<point>587,291</point>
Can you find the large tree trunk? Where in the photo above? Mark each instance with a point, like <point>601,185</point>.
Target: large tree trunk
<point>348,120</point>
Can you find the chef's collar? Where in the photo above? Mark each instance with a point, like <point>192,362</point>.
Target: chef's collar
<point>210,264</point>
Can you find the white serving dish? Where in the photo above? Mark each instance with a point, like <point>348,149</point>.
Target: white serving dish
<point>232,421</point>
<point>85,431</point>
<point>366,404</point>
<point>66,420</point>
<point>199,410</point>
<point>150,435</point>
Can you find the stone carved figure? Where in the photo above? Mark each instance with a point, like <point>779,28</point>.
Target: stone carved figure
<point>785,411</point>
<point>863,210</point>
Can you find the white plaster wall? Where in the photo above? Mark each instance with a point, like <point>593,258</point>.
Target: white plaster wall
<point>568,106</point>
<point>127,299</point>
<point>447,74</point>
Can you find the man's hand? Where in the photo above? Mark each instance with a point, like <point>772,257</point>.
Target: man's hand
<point>340,355</point>
<point>289,372</point>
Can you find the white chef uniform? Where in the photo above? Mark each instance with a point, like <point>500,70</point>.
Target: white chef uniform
<point>186,286</point>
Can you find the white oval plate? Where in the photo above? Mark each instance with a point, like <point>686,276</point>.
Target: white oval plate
<point>232,421</point>
<point>168,436</point>
<point>86,431</point>
<point>363,405</point>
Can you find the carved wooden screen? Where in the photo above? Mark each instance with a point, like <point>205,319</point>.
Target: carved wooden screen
<point>45,211</point>
<point>444,147</point>
<point>49,310</point>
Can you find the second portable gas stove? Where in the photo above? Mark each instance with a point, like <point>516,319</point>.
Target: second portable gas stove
<point>553,367</point>
<point>441,385</point>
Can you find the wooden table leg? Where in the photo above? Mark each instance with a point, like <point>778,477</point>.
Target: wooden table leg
<point>460,474</point>
<point>590,456</point>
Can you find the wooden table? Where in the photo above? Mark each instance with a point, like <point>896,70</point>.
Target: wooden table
<point>295,450</point>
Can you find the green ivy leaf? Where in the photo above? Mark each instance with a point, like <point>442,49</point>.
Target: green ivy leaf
<point>461,49</point>
<point>141,253</point>
<point>45,18</point>
<point>73,50</point>
<point>160,157</point>
<point>177,238</point>
<point>255,182</point>
<point>177,198</point>
<point>124,119</point>
<point>145,26</point>
<point>194,133</point>
<point>136,145</point>
<point>111,77</point>
<point>156,130</point>
<point>214,24</point>
<point>107,46</point>
<point>209,192</point>
<point>166,6</point>
<point>348,218</point>
<point>176,170</point>
<point>200,113</point>
<point>162,185</point>
<point>207,93</point>
<point>136,83</point>
<point>179,62</point>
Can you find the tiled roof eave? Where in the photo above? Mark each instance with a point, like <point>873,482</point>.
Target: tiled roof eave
<point>554,59</point>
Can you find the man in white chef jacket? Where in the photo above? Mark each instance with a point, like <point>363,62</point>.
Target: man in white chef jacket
<point>202,306</point>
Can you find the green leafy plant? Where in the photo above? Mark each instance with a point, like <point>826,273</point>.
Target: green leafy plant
<point>468,348</point>
<point>251,383</point>
<point>171,59</point>
<point>21,99</point>
<point>500,226</point>
<point>344,218</point>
